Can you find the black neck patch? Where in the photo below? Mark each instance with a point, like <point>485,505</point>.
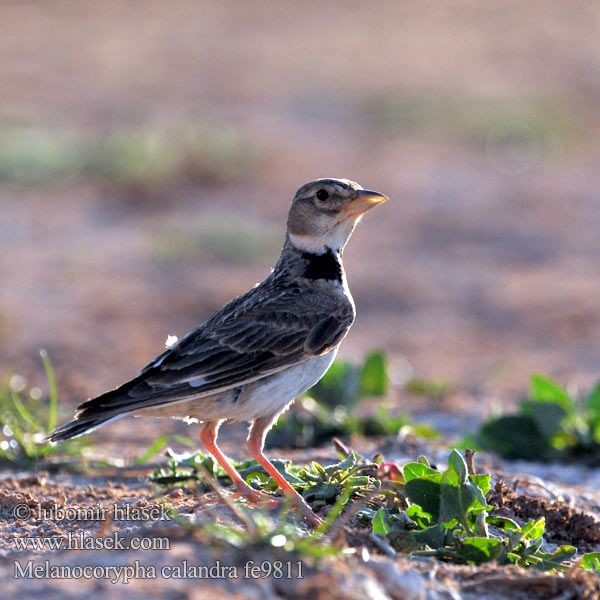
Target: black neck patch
<point>322,266</point>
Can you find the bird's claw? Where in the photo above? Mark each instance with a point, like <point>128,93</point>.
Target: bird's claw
<point>257,498</point>
<point>262,500</point>
<point>306,511</point>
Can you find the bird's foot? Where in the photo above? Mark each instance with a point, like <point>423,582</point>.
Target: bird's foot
<point>312,519</point>
<point>306,511</point>
<point>262,500</point>
<point>257,498</point>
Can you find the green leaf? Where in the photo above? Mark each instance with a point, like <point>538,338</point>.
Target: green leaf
<point>433,536</point>
<point>456,497</point>
<point>482,482</point>
<point>339,386</point>
<point>478,550</point>
<point>380,525</point>
<point>416,513</point>
<point>281,465</point>
<point>183,439</point>
<point>332,515</point>
<point>155,448</point>
<point>545,389</point>
<point>322,493</point>
<point>319,469</point>
<point>534,529</point>
<point>547,416</point>
<point>53,409</point>
<point>480,485</point>
<point>592,402</point>
<point>591,561</point>
<point>348,462</point>
<point>551,562</point>
<point>414,470</point>
<point>457,462</point>
<point>503,523</point>
<point>426,492</point>
<point>374,378</point>
<point>514,436</point>
<point>256,475</point>
<point>24,413</point>
<point>191,459</point>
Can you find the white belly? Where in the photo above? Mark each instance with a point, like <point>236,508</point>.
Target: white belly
<point>269,396</point>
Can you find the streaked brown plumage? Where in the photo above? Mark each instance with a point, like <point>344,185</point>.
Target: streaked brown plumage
<point>257,353</point>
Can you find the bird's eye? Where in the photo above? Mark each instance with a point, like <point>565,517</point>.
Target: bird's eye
<point>322,195</point>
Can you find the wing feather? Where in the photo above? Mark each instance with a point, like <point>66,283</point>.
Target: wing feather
<point>242,342</point>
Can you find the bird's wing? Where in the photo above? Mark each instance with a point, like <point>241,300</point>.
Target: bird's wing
<point>242,342</point>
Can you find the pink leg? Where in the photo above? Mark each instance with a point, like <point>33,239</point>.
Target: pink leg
<point>256,442</point>
<point>208,437</point>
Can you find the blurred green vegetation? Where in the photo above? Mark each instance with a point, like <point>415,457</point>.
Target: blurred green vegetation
<point>552,423</point>
<point>133,157</point>
<point>27,418</point>
<point>331,407</point>
<point>473,119</point>
<point>228,238</point>
<point>431,388</point>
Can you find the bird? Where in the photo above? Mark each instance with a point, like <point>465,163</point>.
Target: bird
<point>260,351</point>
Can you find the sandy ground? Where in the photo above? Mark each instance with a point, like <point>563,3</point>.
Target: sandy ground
<point>481,269</point>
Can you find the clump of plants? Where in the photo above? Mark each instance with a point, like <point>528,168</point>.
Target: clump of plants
<point>444,514</point>
<point>331,407</point>
<point>26,418</point>
<point>552,423</point>
<point>319,485</point>
<point>415,509</point>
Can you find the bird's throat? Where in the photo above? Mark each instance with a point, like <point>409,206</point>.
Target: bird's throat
<point>325,266</point>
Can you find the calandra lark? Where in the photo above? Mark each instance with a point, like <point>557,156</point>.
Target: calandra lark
<point>260,351</point>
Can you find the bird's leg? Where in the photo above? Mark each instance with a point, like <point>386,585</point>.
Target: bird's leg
<point>256,442</point>
<point>208,437</point>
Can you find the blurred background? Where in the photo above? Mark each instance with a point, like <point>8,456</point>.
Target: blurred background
<point>149,152</point>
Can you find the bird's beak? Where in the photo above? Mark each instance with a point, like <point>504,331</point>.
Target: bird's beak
<point>365,200</point>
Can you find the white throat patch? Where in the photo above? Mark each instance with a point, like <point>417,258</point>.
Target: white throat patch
<point>318,243</point>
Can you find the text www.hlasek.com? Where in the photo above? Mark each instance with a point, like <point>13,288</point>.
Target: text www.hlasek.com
<point>79,541</point>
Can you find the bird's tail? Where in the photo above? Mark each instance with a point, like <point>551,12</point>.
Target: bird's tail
<point>80,426</point>
<point>95,412</point>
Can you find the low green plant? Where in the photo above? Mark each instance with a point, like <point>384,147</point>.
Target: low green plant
<point>259,528</point>
<point>444,514</point>
<point>552,423</point>
<point>27,419</point>
<point>329,408</point>
<point>159,444</point>
<point>319,485</point>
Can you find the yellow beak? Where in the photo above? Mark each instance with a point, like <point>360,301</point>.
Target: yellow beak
<point>365,200</point>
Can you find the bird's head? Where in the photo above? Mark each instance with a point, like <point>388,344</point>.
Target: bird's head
<point>325,212</point>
